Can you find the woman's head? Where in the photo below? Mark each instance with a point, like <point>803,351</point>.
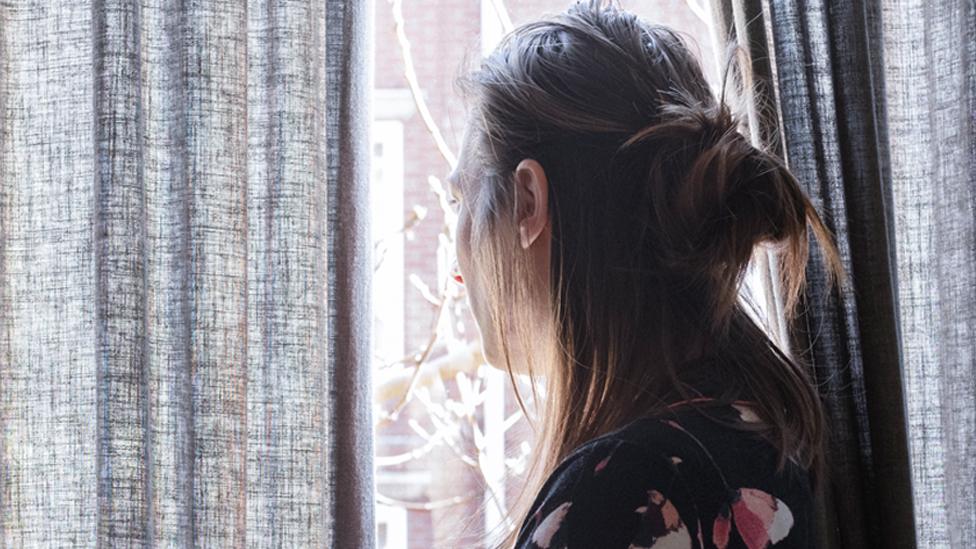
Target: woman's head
<point>609,208</point>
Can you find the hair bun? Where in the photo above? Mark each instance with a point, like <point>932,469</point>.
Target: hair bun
<point>715,196</point>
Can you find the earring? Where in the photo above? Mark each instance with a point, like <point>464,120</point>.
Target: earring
<point>523,233</point>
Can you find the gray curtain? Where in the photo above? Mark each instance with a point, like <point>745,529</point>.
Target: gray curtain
<point>874,107</point>
<point>184,261</point>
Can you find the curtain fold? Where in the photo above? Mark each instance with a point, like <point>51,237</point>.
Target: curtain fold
<point>930,79</point>
<point>349,58</point>
<point>876,113</point>
<point>184,299</point>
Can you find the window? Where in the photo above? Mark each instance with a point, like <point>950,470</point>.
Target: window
<point>450,436</point>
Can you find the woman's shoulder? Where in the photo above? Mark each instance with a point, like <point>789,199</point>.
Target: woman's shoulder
<point>680,480</point>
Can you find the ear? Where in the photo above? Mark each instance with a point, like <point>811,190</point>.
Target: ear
<point>531,200</point>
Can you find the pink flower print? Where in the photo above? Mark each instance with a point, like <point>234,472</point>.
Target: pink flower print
<point>747,414</point>
<point>721,528</point>
<point>760,519</point>
<point>542,536</point>
<point>603,462</point>
<point>661,521</point>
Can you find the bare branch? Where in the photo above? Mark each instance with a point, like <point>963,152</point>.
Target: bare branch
<point>418,363</point>
<point>477,465</point>
<point>425,290</point>
<point>700,11</point>
<point>379,246</point>
<point>397,459</point>
<point>502,12</point>
<point>423,505</point>
<point>411,75</point>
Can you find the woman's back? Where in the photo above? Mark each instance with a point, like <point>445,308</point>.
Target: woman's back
<point>676,481</point>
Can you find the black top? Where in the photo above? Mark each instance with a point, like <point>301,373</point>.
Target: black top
<point>681,481</point>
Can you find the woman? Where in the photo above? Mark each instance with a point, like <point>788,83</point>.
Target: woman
<point>607,210</point>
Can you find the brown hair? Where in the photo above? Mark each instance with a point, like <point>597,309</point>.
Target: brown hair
<point>657,204</point>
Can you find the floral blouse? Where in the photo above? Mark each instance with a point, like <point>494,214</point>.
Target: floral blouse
<point>681,481</point>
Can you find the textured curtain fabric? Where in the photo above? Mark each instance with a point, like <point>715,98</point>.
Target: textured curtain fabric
<point>184,261</point>
<point>876,107</point>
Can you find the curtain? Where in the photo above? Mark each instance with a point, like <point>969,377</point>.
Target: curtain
<point>873,105</point>
<point>184,260</point>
